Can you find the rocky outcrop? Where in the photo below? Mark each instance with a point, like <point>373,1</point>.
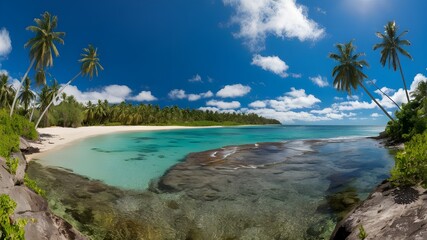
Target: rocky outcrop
<point>42,223</point>
<point>388,213</point>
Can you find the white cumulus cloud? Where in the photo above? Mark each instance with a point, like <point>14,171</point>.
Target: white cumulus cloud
<point>223,105</point>
<point>320,81</point>
<point>5,43</point>
<point>232,91</point>
<point>195,97</point>
<point>281,18</point>
<point>385,90</point>
<point>144,96</point>
<point>258,104</point>
<point>111,93</point>
<point>271,63</point>
<point>295,99</point>
<point>177,94</point>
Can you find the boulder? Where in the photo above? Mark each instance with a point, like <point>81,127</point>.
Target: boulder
<point>22,166</point>
<point>27,200</point>
<point>388,213</point>
<point>6,179</point>
<point>45,225</point>
<point>42,224</point>
<point>23,144</point>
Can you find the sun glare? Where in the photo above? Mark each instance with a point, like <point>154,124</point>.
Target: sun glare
<point>365,7</point>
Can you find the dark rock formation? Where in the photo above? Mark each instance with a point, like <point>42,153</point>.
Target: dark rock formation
<point>42,223</point>
<point>388,213</point>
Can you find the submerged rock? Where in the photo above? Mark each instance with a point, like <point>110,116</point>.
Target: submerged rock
<point>388,213</point>
<point>257,191</point>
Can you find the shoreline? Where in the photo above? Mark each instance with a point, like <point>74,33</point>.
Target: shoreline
<point>53,138</point>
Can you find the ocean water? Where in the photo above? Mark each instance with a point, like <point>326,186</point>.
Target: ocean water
<point>259,182</point>
<point>132,160</point>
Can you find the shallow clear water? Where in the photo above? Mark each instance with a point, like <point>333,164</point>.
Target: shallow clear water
<point>131,160</point>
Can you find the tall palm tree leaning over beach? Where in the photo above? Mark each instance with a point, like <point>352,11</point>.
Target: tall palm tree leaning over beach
<point>90,65</point>
<point>348,72</point>
<point>391,46</point>
<point>42,47</point>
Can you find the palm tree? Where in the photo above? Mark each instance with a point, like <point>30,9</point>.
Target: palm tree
<point>89,113</point>
<point>42,48</point>
<point>348,73</point>
<point>101,111</point>
<point>4,88</point>
<point>89,67</point>
<point>391,46</point>
<point>26,95</point>
<point>46,96</point>
<point>44,100</point>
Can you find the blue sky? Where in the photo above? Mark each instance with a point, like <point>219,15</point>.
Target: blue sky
<point>267,57</point>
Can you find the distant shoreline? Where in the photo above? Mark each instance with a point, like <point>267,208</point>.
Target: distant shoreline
<point>53,138</point>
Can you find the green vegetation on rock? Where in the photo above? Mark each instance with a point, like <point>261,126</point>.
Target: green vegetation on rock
<point>33,186</point>
<point>10,229</point>
<point>362,233</point>
<point>12,164</point>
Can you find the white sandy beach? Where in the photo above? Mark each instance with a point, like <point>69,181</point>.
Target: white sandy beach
<point>53,138</point>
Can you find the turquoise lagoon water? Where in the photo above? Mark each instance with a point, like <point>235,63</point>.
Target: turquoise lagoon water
<point>132,160</point>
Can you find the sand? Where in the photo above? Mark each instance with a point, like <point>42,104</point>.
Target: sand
<point>53,138</point>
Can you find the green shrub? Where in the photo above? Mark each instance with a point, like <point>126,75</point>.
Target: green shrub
<point>9,229</point>
<point>11,129</point>
<point>12,164</point>
<point>33,186</point>
<point>23,127</point>
<point>9,141</point>
<point>411,164</point>
<point>411,119</point>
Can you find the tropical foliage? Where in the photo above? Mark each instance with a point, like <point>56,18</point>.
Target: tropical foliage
<point>11,129</point>
<point>12,164</point>
<point>391,46</point>
<point>31,184</point>
<point>412,119</point>
<point>42,48</point>
<point>410,125</point>
<point>348,73</point>
<point>6,92</point>
<point>10,229</point>
<point>90,65</point>
<point>26,96</point>
<point>70,113</point>
<point>411,164</point>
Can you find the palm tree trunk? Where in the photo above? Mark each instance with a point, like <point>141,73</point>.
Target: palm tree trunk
<point>373,99</point>
<point>32,111</point>
<point>386,95</point>
<point>55,98</point>
<point>403,78</point>
<point>19,87</point>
